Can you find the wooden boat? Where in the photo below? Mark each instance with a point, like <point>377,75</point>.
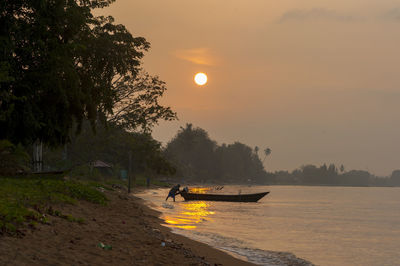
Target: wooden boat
<point>218,197</point>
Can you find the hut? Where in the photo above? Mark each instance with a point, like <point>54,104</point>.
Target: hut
<point>103,168</point>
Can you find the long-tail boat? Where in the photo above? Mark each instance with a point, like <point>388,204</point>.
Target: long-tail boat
<point>220,197</point>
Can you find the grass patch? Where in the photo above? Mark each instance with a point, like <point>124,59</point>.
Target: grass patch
<point>26,200</point>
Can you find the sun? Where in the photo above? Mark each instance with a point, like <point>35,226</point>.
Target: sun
<point>200,79</point>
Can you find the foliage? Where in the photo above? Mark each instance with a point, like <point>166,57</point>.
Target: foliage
<point>238,163</point>
<point>111,145</point>
<point>13,158</point>
<point>395,178</point>
<point>198,158</point>
<point>329,175</point>
<point>267,152</point>
<point>193,153</point>
<point>27,200</point>
<point>136,102</point>
<point>60,65</point>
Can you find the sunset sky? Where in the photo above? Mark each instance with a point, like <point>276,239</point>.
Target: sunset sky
<point>316,81</point>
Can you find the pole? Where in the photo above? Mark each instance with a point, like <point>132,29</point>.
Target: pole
<point>37,156</point>
<point>130,171</point>
<point>40,156</point>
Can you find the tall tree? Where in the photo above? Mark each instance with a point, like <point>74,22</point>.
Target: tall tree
<point>238,163</point>
<point>395,178</point>
<point>267,152</point>
<point>197,157</point>
<point>192,152</point>
<point>59,65</point>
<point>136,102</point>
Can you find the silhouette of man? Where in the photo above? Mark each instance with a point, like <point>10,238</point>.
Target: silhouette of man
<point>173,192</point>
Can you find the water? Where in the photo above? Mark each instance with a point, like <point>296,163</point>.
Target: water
<point>325,225</point>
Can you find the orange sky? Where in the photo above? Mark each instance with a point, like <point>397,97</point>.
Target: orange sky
<point>316,81</point>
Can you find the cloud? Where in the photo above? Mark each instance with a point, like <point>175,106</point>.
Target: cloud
<point>313,14</point>
<point>392,14</point>
<point>199,56</point>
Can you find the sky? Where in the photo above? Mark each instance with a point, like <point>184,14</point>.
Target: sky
<point>317,81</point>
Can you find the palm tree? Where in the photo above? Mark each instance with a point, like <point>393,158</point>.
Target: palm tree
<point>256,150</point>
<point>267,152</point>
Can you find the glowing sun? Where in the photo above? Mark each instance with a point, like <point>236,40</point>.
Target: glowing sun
<point>200,79</point>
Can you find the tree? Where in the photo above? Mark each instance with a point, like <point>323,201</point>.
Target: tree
<point>267,152</point>
<point>192,152</point>
<point>13,158</point>
<point>199,158</point>
<point>356,178</point>
<point>395,178</point>
<point>112,145</point>
<point>136,102</point>
<point>237,163</point>
<point>61,65</point>
<point>311,174</point>
<point>256,149</point>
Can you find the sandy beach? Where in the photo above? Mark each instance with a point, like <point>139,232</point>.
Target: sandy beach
<point>131,228</point>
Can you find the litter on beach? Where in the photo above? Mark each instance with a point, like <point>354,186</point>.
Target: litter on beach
<point>103,246</point>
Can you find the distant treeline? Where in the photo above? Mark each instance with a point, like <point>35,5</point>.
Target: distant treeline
<point>197,158</point>
<point>190,156</point>
<point>331,175</point>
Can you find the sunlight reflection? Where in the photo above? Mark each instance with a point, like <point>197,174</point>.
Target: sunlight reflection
<point>200,190</point>
<point>191,214</point>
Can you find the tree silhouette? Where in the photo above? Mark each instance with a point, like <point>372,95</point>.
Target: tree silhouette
<point>61,65</point>
<point>198,158</point>
<point>267,152</point>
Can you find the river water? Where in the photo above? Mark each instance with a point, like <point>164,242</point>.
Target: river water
<point>324,225</point>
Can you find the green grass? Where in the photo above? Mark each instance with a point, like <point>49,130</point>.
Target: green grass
<point>27,201</point>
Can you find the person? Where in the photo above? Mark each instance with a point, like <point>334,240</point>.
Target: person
<point>173,192</point>
<point>148,181</point>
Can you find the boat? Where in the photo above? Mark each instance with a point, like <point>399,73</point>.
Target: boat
<point>220,197</point>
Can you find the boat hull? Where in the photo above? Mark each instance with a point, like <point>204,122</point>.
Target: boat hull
<point>231,198</point>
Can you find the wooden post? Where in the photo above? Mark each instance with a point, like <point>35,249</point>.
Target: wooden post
<point>130,171</point>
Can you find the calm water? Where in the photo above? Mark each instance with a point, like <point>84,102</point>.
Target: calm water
<point>325,225</point>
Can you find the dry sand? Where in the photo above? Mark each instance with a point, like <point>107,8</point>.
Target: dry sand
<point>131,228</point>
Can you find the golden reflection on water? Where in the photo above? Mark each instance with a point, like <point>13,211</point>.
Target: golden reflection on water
<point>200,190</point>
<point>191,214</point>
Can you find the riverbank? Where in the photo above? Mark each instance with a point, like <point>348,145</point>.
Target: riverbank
<point>125,224</point>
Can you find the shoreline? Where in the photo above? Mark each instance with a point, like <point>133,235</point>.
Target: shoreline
<point>265,257</point>
<point>211,255</point>
<point>133,230</point>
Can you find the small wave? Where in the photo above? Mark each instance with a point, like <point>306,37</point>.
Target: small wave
<point>266,257</point>
<point>242,250</point>
<point>167,206</point>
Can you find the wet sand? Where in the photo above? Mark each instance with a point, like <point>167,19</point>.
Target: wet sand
<point>131,228</point>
